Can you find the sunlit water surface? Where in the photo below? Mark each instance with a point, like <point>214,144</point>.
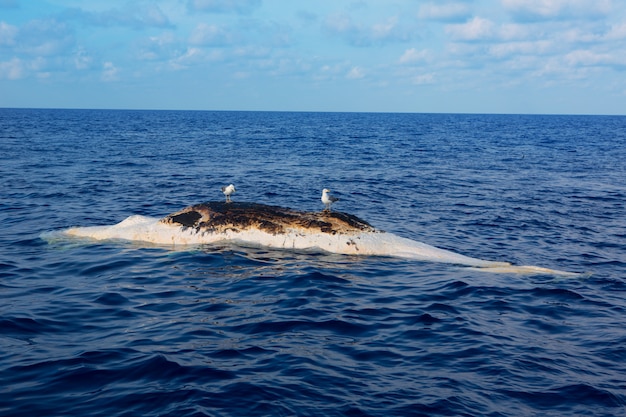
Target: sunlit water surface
<point>124,328</point>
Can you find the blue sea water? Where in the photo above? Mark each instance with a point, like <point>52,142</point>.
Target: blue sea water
<point>129,329</point>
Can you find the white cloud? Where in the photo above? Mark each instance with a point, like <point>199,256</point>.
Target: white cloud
<point>514,31</point>
<point>82,59</point>
<point>423,79</point>
<point>556,9</point>
<point>153,16</point>
<point>339,23</point>
<point>446,12</point>
<point>135,15</point>
<point>331,71</point>
<point>7,34</point>
<point>109,72</point>
<point>252,52</point>
<point>362,34</point>
<point>579,66</point>
<point>476,29</point>
<point>484,30</point>
<point>159,47</point>
<point>241,75</point>
<point>195,56</point>
<point>506,49</point>
<point>223,6</point>
<point>355,73</point>
<point>211,35</point>
<point>12,70</point>
<point>18,68</point>
<point>413,55</point>
<point>385,29</point>
<point>588,58</point>
<point>285,66</point>
<point>617,32</point>
<point>44,37</point>
<point>191,56</point>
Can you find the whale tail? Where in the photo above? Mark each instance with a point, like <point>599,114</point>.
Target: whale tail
<point>407,248</point>
<point>525,270</point>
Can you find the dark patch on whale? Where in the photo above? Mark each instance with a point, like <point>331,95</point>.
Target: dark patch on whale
<point>218,217</point>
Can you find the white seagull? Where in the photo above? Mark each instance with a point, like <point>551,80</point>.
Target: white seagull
<point>228,190</point>
<point>328,199</point>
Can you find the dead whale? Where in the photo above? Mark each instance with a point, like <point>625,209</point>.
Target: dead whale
<point>284,228</point>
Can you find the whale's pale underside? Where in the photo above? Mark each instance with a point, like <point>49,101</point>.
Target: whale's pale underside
<point>283,228</point>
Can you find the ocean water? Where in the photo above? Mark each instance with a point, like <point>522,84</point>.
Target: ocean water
<point>128,329</point>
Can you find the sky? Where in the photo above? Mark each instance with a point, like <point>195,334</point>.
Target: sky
<point>444,56</point>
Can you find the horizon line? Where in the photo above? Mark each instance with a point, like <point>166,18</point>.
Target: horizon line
<point>313,111</point>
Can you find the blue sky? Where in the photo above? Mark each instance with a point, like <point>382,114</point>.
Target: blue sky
<point>457,56</point>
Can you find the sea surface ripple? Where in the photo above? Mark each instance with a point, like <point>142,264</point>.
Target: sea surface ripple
<point>125,329</point>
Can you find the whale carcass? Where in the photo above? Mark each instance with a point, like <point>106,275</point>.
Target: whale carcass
<point>282,228</point>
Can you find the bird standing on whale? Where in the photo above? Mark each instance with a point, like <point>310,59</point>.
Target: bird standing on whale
<point>228,190</point>
<point>327,199</point>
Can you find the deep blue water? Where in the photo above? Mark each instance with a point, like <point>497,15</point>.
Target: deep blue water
<point>124,329</point>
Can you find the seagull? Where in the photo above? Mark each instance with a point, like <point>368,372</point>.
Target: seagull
<point>327,199</point>
<point>228,191</point>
